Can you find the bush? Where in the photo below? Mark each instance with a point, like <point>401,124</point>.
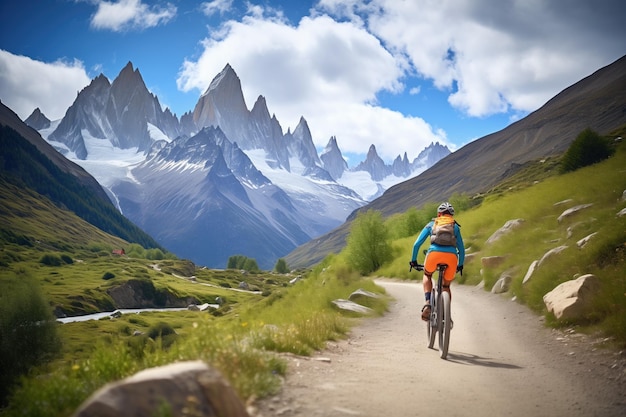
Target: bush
<point>281,266</point>
<point>587,149</point>
<point>28,331</point>
<point>67,259</point>
<point>242,262</point>
<point>108,275</point>
<point>50,260</point>
<point>368,246</point>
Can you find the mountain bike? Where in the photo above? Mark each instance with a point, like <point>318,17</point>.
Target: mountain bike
<point>440,321</point>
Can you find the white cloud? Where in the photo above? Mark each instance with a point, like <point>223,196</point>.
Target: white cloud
<point>216,6</point>
<point>327,71</point>
<point>494,57</point>
<point>130,14</point>
<point>26,84</point>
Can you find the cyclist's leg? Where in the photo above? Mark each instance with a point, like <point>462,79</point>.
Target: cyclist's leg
<point>430,266</point>
<point>427,283</point>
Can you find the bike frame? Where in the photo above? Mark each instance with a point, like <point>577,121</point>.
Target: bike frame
<point>439,323</point>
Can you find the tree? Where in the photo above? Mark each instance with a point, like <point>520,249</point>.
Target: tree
<point>28,330</point>
<point>242,262</point>
<point>281,266</point>
<point>368,246</point>
<point>587,149</point>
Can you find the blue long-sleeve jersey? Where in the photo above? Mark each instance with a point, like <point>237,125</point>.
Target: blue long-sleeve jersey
<point>425,234</point>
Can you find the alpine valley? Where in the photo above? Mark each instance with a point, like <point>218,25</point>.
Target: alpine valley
<point>222,180</point>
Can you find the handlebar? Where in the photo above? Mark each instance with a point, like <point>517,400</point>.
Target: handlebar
<point>418,267</point>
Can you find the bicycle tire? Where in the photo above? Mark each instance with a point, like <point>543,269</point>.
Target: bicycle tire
<point>431,324</point>
<point>444,329</point>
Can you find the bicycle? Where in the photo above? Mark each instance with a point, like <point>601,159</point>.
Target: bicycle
<point>440,321</point>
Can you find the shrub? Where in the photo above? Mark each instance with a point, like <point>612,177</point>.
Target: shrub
<point>368,245</point>
<point>154,254</point>
<point>281,266</point>
<point>28,331</point>
<point>242,262</point>
<point>50,259</point>
<point>587,149</point>
<point>67,259</point>
<point>108,275</point>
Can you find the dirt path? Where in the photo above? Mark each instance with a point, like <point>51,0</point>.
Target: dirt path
<point>502,362</point>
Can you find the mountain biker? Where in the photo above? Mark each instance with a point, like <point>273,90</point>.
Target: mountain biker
<point>449,251</point>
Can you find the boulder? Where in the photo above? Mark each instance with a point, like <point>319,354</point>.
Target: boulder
<point>572,299</point>
<point>573,210</point>
<point>507,228</point>
<point>183,388</point>
<point>491,261</point>
<point>550,253</point>
<point>582,242</point>
<point>503,284</point>
<point>351,307</point>
<point>559,203</point>
<point>530,272</point>
<point>622,212</point>
<point>469,257</point>
<point>361,294</point>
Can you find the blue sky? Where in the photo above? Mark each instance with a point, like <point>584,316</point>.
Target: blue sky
<point>393,73</point>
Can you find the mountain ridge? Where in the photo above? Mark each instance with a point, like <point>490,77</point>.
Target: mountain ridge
<point>118,132</point>
<point>598,101</point>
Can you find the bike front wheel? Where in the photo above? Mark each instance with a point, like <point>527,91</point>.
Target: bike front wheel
<point>445,326</point>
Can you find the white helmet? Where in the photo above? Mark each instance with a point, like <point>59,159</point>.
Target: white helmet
<point>445,207</point>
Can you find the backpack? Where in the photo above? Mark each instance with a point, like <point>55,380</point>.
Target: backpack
<point>443,231</point>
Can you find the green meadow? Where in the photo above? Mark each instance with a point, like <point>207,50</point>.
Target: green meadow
<point>52,255</point>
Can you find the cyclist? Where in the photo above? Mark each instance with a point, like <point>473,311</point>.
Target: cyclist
<point>446,247</point>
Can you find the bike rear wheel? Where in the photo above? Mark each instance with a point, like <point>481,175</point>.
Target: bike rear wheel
<point>445,324</point>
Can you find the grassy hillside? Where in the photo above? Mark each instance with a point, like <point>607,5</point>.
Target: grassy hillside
<point>242,337</point>
<point>71,264</point>
<point>538,195</point>
<point>23,165</point>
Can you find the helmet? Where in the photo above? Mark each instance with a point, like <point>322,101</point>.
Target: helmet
<point>445,207</point>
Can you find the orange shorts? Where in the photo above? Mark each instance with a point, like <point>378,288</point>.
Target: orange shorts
<point>434,258</point>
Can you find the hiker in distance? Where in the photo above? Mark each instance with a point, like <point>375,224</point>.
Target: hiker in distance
<point>446,246</point>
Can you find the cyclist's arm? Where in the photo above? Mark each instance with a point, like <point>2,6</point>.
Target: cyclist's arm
<point>426,232</point>
<point>460,246</point>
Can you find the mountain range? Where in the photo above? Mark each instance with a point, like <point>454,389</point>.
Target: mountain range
<point>597,102</point>
<point>222,180</point>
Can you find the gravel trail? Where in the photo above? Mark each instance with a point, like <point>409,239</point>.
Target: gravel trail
<point>502,361</point>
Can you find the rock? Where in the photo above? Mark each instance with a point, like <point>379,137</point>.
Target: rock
<point>582,242</point>
<point>507,228</point>
<point>624,196</point>
<point>531,270</point>
<point>116,314</point>
<point>361,294</point>
<point>573,210</point>
<point>622,212</point>
<point>193,307</point>
<point>244,286</point>
<point>550,253</point>
<point>559,203</point>
<point>184,388</point>
<point>492,261</point>
<point>469,257</point>
<point>352,307</point>
<point>572,299</point>
<point>503,284</point>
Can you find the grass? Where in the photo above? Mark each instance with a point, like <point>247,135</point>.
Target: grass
<point>243,340</point>
<point>540,199</point>
<point>245,337</point>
